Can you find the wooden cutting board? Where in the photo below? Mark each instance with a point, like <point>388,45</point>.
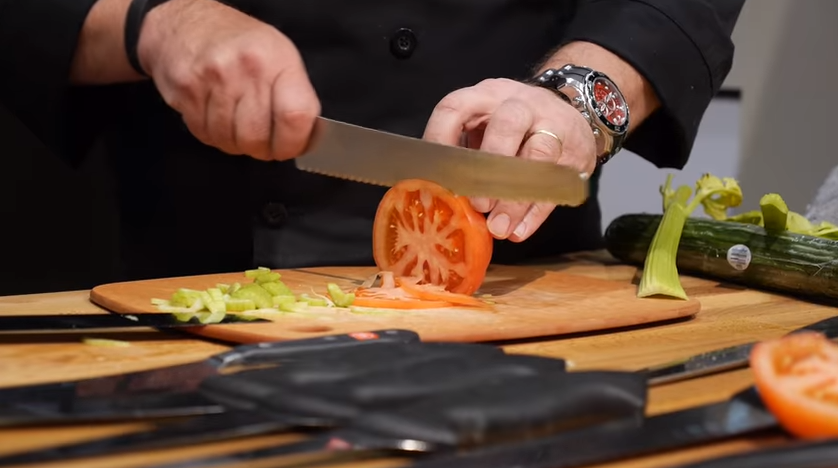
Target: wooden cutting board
<point>529,302</point>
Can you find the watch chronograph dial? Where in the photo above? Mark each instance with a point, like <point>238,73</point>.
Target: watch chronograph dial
<point>609,102</point>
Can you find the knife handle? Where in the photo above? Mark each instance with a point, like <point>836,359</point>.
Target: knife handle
<point>513,408</point>
<point>283,351</point>
<point>401,383</point>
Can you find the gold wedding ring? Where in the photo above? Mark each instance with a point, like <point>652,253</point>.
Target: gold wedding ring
<point>548,133</point>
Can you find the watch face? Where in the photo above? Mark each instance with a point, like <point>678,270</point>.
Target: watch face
<point>609,102</point>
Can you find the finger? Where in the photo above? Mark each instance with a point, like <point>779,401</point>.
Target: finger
<point>195,119</point>
<point>295,107</point>
<point>533,219</point>
<point>252,128</point>
<point>504,133</point>
<point>462,110</point>
<point>218,119</point>
<point>507,128</point>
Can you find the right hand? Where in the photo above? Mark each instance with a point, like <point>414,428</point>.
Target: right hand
<point>239,84</point>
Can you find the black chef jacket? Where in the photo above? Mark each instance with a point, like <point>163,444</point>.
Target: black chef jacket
<point>186,208</point>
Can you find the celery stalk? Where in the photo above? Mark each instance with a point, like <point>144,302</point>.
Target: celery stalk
<point>660,272</point>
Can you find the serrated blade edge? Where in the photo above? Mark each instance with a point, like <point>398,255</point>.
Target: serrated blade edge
<point>369,156</point>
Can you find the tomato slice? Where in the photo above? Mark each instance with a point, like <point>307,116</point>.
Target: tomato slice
<point>423,230</point>
<point>430,292</point>
<point>797,378</point>
<point>391,297</point>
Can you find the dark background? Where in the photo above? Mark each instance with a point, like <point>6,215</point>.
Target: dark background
<point>59,224</point>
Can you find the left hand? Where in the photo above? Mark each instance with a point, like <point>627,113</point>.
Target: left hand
<point>500,116</point>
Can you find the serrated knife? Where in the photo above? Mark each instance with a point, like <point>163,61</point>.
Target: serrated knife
<point>351,152</point>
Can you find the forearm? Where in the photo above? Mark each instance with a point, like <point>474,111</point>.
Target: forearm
<point>640,97</point>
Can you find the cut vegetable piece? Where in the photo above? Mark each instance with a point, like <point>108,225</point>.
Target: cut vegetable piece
<point>393,303</point>
<point>797,378</point>
<point>340,298</point>
<point>430,292</point>
<point>255,293</point>
<point>277,288</point>
<point>421,229</point>
<point>106,342</point>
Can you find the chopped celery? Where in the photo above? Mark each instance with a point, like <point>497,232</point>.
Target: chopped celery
<point>240,305</point>
<point>224,288</point>
<point>255,293</point>
<point>211,317</point>
<point>267,278</point>
<point>660,273</point>
<point>340,298</point>
<point>105,342</point>
<point>185,297</point>
<point>258,271</point>
<point>283,301</point>
<point>277,288</point>
<point>313,301</point>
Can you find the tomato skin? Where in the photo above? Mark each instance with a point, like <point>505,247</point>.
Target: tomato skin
<point>787,370</point>
<point>423,230</point>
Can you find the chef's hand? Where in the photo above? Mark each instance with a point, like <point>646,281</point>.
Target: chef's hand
<point>501,116</point>
<point>239,84</point>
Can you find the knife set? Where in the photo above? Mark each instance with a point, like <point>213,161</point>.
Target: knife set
<point>418,397</point>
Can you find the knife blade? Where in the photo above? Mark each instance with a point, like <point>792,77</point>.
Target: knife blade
<point>63,323</point>
<point>721,360</point>
<point>618,440</point>
<point>347,151</point>
<point>187,377</point>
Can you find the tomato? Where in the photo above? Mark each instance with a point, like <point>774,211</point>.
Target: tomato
<point>428,292</point>
<point>423,230</point>
<point>394,298</point>
<point>797,378</point>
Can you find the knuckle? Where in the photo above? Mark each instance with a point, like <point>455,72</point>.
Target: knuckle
<point>542,148</point>
<point>512,113</point>
<point>452,102</point>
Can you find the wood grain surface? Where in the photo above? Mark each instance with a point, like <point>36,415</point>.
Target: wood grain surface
<point>528,302</point>
<point>730,315</point>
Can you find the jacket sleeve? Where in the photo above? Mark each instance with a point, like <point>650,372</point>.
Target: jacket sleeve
<point>37,42</point>
<point>682,47</point>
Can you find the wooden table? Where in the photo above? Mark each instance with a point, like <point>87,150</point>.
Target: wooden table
<point>730,315</point>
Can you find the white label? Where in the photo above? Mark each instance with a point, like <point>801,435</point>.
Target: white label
<point>739,256</point>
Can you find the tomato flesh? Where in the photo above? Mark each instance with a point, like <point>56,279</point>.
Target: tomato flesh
<point>423,230</point>
<point>797,378</point>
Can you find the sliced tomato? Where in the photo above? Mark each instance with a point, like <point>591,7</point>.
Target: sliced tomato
<point>391,297</point>
<point>431,292</point>
<point>386,303</point>
<point>797,378</point>
<point>423,230</point>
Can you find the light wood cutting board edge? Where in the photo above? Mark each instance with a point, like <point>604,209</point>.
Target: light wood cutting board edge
<point>245,333</point>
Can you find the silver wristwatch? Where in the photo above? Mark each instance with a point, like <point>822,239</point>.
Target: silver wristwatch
<point>598,99</point>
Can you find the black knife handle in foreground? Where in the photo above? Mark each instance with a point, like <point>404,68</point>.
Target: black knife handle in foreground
<point>819,454</point>
<point>270,352</point>
<point>325,404</point>
<point>508,408</point>
<point>622,439</point>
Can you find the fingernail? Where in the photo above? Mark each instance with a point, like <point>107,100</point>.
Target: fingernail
<point>499,225</point>
<point>584,176</point>
<point>480,204</point>
<point>521,230</point>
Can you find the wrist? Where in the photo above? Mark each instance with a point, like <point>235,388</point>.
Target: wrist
<point>154,31</point>
<point>636,90</point>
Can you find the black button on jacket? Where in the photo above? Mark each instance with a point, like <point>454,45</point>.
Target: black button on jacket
<point>187,208</point>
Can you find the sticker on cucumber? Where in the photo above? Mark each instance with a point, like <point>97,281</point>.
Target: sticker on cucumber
<point>739,257</point>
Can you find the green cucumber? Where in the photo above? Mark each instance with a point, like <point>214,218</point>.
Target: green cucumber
<point>784,262</point>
